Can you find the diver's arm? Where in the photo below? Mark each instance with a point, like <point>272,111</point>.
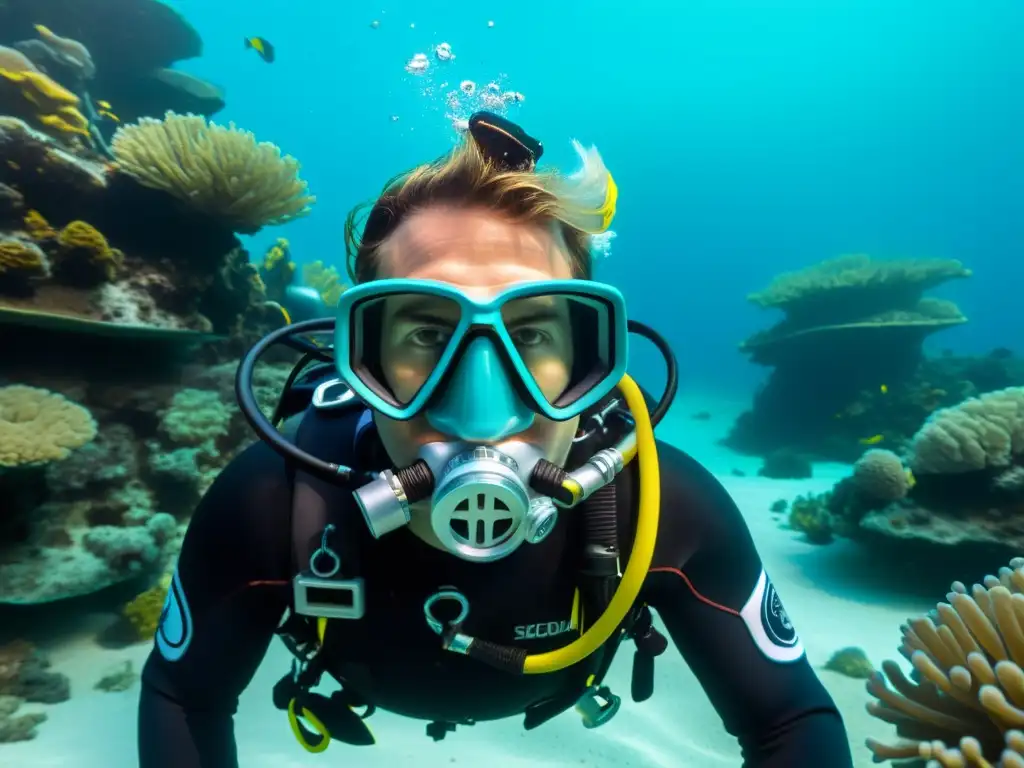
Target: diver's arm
<point>226,599</point>
<point>708,585</point>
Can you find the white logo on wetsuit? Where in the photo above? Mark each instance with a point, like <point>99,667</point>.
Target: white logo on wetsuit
<point>543,629</point>
<point>174,632</point>
<point>769,624</point>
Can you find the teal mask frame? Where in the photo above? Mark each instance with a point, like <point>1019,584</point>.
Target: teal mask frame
<point>481,320</point>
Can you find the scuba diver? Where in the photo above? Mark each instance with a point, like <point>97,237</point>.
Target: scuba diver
<point>459,511</point>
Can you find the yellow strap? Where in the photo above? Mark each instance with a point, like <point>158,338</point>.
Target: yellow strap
<point>299,733</point>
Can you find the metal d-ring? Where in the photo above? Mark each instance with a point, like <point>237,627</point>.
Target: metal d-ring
<point>325,551</point>
<point>445,594</point>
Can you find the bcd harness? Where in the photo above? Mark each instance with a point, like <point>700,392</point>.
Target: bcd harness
<point>325,531</point>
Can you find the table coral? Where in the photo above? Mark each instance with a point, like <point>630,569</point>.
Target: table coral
<point>39,426</point>
<point>69,50</point>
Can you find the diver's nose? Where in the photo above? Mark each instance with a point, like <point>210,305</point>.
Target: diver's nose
<point>480,403</point>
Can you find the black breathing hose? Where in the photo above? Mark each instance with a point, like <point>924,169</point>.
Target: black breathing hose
<point>261,425</point>
<point>671,368</point>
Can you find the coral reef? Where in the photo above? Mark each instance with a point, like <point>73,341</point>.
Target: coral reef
<point>879,475</point>
<point>222,171</point>
<point>785,464</point>
<point>847,353</point>
<point>25,677</point>
<point>38,426</point>
<point>112,252</point>
<point>15,727</point>
<point>326,281</point>
<point>92,48</point>
<point>118,679</point>
<point>811,516</point>
<point>107,443</point>
<point>25,674</point>
<point>851,662</point>
<point>963,704</point>
<point>979,434</point>
<point>960,481</point>
<point>144,610</point>
<point>115,508</point>
<point>278,270</point>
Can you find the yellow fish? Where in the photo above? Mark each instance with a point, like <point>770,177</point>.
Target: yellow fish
<point>263,47</point>
<point>884,389</point>
<point>103,104</point>
<point>108,115</point>
<point>911,480</point>
<point>873,440</point>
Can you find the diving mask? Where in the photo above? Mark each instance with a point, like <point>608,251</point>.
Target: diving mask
<point>479,370</point>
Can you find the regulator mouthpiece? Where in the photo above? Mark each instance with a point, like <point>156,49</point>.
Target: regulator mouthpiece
<point>482,507</point>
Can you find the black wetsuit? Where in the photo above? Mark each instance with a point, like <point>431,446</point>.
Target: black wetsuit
<point>706,583</point>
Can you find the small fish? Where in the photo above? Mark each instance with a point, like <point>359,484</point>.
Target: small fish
<point>911,480</point>
<point>873,440</point>
<point>109,115</point>
<point>262,46</point>
<point>884,389</point>
<point>103,104</point>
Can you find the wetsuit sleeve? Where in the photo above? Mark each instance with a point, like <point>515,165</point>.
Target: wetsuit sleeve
<point>227,596</point>
<point>709,587</point>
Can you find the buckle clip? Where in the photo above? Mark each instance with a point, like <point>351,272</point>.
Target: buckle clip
<point>329,598</point>
<point>318,593</point>
<point>597,706</point>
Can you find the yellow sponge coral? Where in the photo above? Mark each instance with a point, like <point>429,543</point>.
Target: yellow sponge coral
<point>143,611</point>
<point>22,259</point>
<point>53,105</point>
<point>38,227</point>
<point>81,239</point>
<point>326,281</point>
<point>39,426</point>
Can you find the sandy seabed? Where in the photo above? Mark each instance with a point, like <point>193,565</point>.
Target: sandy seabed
<point>834,594</point>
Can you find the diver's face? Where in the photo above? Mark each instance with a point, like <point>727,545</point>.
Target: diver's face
<point>481,253</point>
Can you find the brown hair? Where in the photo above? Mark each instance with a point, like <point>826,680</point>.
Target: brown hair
<point>464,177</point>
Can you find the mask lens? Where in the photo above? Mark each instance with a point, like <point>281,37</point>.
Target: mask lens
<point>564,343</point>
<point>398,341</point>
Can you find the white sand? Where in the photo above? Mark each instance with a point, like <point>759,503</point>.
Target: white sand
<point>830,604</point>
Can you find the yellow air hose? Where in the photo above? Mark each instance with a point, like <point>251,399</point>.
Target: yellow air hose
<point>639,559</point>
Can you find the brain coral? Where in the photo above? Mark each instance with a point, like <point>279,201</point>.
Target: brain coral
<point>39,426</point>
<point>880,475</point>
<point>979,433</point>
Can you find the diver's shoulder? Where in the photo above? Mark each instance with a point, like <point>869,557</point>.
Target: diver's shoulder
<point>677,465</point>
<point>688,484</point>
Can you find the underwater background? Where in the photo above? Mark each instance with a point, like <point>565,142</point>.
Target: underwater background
<point>748,140</point>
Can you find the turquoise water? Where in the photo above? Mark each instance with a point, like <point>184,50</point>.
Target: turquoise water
<point>747,138</point>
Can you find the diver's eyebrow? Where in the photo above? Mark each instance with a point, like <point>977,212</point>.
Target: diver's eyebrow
<point>537,316</point>
<point>422,311</point>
